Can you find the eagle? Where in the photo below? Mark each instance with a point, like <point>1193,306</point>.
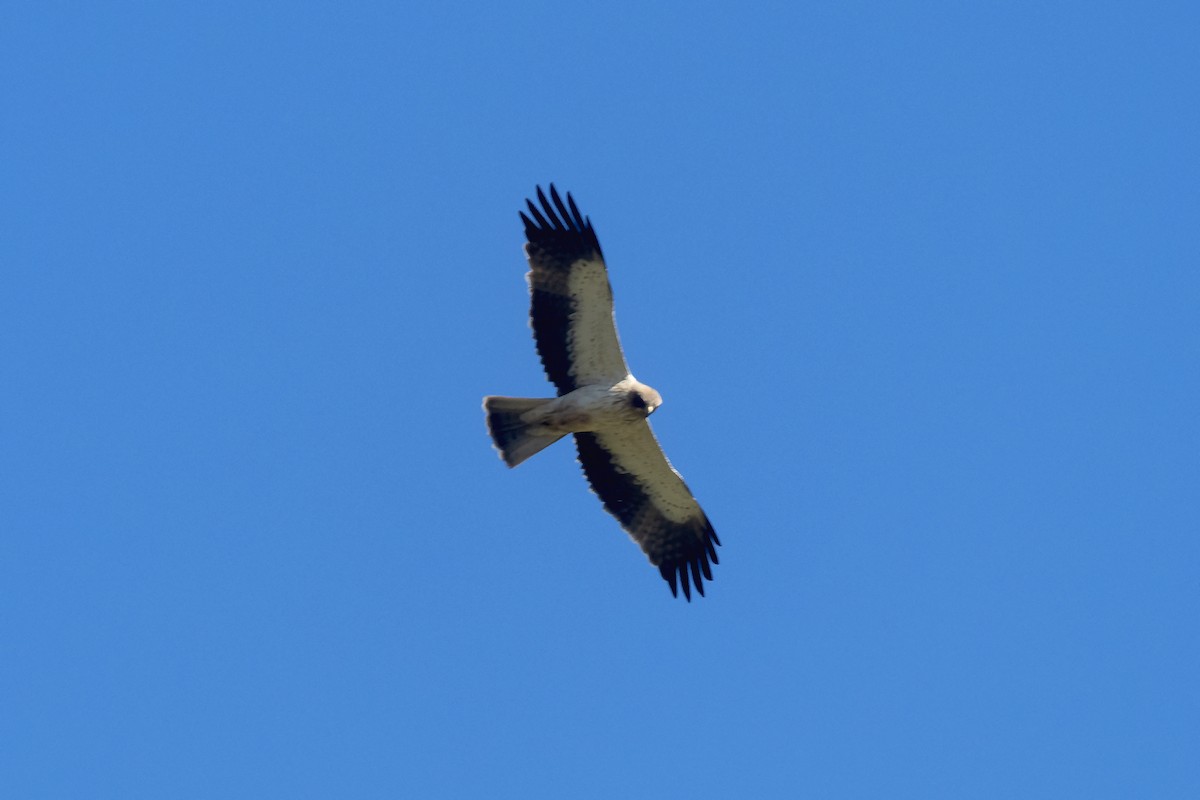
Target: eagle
<point>598,400</point>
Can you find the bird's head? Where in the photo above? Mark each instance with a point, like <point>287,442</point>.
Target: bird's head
<point>644,399</point>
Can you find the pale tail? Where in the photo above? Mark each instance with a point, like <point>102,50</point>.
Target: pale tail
<point>510,435</point>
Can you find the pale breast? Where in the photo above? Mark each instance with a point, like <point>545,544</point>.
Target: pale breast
<point>591,408</point>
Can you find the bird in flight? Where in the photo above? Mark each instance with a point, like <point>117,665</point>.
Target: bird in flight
<point>598,401</point>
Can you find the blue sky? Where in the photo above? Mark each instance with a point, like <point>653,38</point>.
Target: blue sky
<point>917,281</point>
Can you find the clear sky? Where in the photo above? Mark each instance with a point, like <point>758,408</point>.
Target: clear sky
<point>917,281</point>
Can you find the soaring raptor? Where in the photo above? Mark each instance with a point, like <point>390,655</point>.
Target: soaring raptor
<point>598,400</point>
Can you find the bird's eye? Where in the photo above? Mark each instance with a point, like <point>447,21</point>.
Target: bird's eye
<point>637,401</point>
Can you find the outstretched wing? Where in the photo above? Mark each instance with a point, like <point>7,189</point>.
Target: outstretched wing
<point>638,486</point>
<point>571,310</point>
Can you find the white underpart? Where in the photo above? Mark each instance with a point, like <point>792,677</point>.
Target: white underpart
<point>592,336</point>
<point>599,407</point>
<point>599,369</point>
<point>637,452</point>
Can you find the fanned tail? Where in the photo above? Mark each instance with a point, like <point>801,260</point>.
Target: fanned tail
<point>510,433</point>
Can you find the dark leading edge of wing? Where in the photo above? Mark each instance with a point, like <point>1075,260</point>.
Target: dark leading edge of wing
<point>558,237</point>
<point>681,550</point>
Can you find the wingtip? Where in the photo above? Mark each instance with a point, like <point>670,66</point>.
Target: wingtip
<point>568,220</point>
<point>669,576</point>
